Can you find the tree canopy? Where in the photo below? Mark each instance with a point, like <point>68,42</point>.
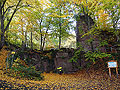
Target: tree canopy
<point>49,23</point>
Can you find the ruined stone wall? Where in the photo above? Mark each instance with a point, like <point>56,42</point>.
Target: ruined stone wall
<point>81,29</point>
<point>50,60</point>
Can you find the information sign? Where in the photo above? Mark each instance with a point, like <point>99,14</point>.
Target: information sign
<point>113,64</point>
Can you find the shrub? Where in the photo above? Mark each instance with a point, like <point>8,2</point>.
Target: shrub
<point>29,73</point>
<point>93,56</point>
<point>20,70</point>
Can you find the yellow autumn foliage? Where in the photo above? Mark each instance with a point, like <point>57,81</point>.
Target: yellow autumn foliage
<point>77,80</point>
<point>102,19</point>
<point>3,56</point>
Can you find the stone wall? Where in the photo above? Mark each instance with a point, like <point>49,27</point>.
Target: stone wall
<point>81,29</point>
<point>83,24</point>
<point>63,60</point>
<point>47,61</point>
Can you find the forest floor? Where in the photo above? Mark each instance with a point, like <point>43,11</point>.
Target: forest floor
<point>76,81</point>
<point>81,80</point>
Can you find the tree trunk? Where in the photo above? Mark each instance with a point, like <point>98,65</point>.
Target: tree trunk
<point>31,41</point>
<point>60,37</point>
<point>45,36</point>
<point>2,42</point>
<point>41,39</point>
<point>2,27</point>
<point>23,45</point>
<point>60,31</point>
<point>25,39</point>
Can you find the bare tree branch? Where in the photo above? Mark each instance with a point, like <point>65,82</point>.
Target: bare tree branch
<point>25,6</point>
<point>8,9</point>
<point>3,3</point>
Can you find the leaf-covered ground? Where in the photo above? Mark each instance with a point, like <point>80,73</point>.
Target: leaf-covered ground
<point>81,80</point>
<point>77,81</point>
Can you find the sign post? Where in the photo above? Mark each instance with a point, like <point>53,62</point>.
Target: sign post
<point>112,64</point>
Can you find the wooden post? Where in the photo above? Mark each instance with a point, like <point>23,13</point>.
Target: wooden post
<point>109,72</point>
<point>117,71</point>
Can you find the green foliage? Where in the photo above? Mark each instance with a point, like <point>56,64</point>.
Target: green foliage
<point>20,54</point>
<point>75,57</point>
<point>93,56</point>
<point>62,57</point>
<point>29,73</point>
<point>20,70</point>
<point>103,43</point>
<point>89,41</point>
<point>10,60</point>
<point>77,54</point>
<point>79,46</point>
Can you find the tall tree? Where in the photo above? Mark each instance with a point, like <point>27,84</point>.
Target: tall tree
<point>8,7</point>
<point>61,16</point>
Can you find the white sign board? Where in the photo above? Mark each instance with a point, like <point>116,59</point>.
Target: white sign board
<point>112,64</point>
